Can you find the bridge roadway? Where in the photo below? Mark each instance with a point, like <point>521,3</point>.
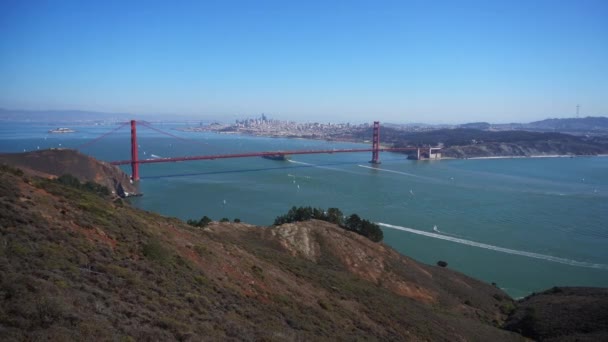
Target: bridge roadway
<point>257,154</point>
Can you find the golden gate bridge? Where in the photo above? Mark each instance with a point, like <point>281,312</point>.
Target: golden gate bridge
<point>135,162</point>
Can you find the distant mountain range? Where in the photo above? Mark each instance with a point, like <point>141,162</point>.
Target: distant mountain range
<point>82,116</point>
<point>588,124</point>
<point>60,115</point>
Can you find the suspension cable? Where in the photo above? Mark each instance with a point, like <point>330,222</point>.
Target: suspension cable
<point>169,134</point>
<point>88,143</point>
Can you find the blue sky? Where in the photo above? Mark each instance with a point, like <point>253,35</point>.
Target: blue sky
<point>394,61</point>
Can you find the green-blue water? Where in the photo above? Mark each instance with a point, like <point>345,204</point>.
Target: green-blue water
<point>526,224</point>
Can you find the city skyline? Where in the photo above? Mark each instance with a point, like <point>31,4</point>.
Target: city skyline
<point>446,62</point>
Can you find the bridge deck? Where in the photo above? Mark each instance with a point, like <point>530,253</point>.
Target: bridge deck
<point>257,154</point>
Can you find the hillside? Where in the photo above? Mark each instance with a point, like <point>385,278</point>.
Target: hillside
<point>57,162</point>
<point>76,265</point>
<point>587,124</point>
<point>563,314</point>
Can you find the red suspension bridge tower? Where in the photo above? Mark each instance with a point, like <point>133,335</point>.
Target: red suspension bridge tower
<point>134,159</point>
<point>376,144</point>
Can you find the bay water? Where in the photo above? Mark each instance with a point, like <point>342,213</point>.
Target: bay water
<point>526,224</point>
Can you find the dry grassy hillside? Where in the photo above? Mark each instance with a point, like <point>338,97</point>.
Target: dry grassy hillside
<point>75,265</point>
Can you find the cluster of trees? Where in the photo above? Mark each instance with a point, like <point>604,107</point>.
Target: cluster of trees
<point>352,223</point>
<point>205,220</point>
<point>89,186</point>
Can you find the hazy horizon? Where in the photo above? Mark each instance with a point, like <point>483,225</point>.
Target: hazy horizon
<point>227,118</point>
<point>399,62</point>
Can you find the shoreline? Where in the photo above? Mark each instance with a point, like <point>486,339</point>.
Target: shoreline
<point>273,136</point>
<point>532,156</point>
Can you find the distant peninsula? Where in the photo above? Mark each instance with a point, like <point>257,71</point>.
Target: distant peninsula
<point>475,143</point>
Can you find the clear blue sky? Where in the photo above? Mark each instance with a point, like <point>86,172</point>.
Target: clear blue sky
<point>394,61</point>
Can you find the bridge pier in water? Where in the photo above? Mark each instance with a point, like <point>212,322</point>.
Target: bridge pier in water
<point>434,153</point>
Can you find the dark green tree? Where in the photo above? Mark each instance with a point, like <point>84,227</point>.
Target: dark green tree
<point>203,222</point>
<point>334,215</point>
<point>353,223</point>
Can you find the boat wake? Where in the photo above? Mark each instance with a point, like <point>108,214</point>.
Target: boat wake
<point>497,248</point>
<point>321,167</point>
<point>393,171</point>
<point>435,229</point>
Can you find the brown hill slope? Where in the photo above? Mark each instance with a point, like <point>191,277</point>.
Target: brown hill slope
<point>57,162</point>
<point>563,314</point>
<point>74,265</point>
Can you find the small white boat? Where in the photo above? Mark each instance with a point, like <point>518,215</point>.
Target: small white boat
<point>62,130</point>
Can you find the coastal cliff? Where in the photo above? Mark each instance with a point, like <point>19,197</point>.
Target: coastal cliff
<point>57,162</point>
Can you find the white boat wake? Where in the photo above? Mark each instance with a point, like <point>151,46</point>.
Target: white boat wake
<point>435,229</point>
<point>321,167</point>
<point>497,248</point>
<point>393,171</point>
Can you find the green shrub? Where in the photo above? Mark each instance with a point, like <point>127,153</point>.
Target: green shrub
<point>10,169</point>
<point>91,187</point>
<point>323,304</point>
<point>155,251</point>
<point>507,308</point>
<point>257,271</point>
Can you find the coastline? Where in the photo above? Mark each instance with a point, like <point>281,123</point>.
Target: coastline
<point>535,156</point>
<point>523,157</point>
<point>338,139</point>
